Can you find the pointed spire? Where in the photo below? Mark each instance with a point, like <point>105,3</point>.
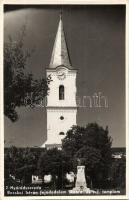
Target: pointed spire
<point>60,54</point>
<point>61,14</point>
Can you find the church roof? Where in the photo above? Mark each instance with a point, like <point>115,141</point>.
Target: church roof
<point>60,54</point>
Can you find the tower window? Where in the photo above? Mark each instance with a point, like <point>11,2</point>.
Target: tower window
<point>61,92</point>
<point>61,133</point>
<point>61,118</point>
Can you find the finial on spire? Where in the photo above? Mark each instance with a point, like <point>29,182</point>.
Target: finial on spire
<point>60,55</point>
<point>61,12</point>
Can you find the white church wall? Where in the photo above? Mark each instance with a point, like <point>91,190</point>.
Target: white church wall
<point>55,125</point>
<point>69,84</point>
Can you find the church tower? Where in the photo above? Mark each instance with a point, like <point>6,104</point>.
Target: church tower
<point>61,101</point>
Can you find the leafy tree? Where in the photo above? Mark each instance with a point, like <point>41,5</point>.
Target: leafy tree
<point>92,146</point>
<point>118,173</point>
<point>10,161</point>
<point>56,163</point>
<point>21,163</point>
<point>18,84</point>
<point>27,166</point>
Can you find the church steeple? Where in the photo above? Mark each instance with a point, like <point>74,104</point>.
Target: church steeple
<point>61,102</point>
<point>60,54</point>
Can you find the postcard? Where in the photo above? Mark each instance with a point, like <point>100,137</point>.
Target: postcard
<point>64,126</point>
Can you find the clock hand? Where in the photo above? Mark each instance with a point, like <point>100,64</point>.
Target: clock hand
<point>60,74</point>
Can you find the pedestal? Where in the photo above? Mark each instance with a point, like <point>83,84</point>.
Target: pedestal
<point>81,185</point>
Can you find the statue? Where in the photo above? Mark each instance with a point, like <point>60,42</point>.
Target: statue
<point>81,185</point>
<point>79,161</point>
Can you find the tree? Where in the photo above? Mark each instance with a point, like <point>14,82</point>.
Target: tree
<point>10,161</point>
<point>27,166</point>
<point>118,173</point>
<point>92,146</point>
<point>18,84</point>
<point>56,163</point>
<point>20,163</point>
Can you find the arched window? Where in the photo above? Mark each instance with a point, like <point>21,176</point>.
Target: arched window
<point>61,92</point>
<point>61,133</point>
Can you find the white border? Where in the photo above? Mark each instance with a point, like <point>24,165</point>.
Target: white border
<point>1,106</point>
<point>127,98</point>
<point>85,2</point>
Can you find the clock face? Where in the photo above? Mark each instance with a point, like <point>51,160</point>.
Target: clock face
<point>61,74</point>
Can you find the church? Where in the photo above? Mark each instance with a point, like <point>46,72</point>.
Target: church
<point>61,101</point>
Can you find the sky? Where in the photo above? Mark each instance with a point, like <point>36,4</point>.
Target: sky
<point>95,36</point>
